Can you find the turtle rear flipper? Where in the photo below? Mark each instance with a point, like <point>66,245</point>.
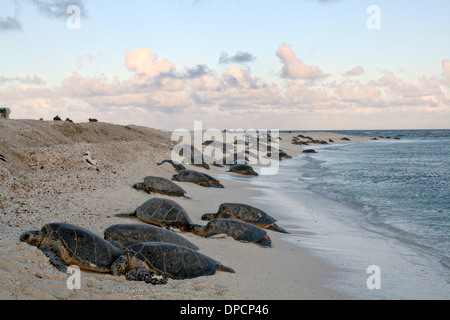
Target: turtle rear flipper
<point>54,258</point>
<point>274,227</point>
<point>225,269</point>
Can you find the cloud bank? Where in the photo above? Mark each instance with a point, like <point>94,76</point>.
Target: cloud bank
<point>158,94</point>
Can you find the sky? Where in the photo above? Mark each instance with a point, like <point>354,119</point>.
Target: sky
<point>237,64</point>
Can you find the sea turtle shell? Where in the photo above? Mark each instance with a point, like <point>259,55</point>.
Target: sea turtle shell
<point>169,260</point>
<point>162,212</point>
<point>196,177</point>
<point>243,169</point>
<point>160,185</point>
<point>246,213</point>
<point>128,234</point>
<point>238,230</point>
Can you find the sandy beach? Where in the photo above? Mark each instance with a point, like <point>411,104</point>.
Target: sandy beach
<point>45,180</point>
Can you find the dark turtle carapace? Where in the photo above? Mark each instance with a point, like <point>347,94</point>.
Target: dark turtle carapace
<point>200,178</point>
<point>246,213</point>
<point>142,260</point>
<point>238,230</point>
<point>128,234</point>
<point>244,169</point>
<point>162,212</point>
<point>160,185</point>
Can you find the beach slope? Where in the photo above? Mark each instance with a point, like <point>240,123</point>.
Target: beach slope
<point>45,179</point>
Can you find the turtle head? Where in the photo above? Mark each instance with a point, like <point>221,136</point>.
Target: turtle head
<point>31,237</point>
<point>208,216</point>
<point>119,267</point>
<point>197,229</point>
<point>138,186</point>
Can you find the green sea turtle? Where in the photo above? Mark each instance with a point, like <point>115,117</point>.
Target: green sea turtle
<point>246,213</point>
<point>238,230</point>
<point>202,179</point>
<point>283,155</point>
<point>141,260</point>
<point>160,185</point>
<point>176,166</point>
<point>67,245</point>
<point>127,234</point>
<point>243,169</point>
<point>193,156</point>
<point>162,212</point>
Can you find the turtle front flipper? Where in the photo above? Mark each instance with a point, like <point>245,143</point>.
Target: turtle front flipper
<point>54,258</point>
<point>142,274</point>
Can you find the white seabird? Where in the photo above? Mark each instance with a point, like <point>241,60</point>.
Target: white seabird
<point>90,161</point>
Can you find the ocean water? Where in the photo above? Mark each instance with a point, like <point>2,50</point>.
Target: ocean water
<point>383,203</point>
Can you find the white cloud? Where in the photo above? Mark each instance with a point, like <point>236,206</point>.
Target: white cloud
<point>355,71</point>
<point>294,68</point>
<point>143,62</point>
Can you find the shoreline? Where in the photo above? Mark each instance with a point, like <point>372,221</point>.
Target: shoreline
<point>351,246</point>
<point>49,184</point>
